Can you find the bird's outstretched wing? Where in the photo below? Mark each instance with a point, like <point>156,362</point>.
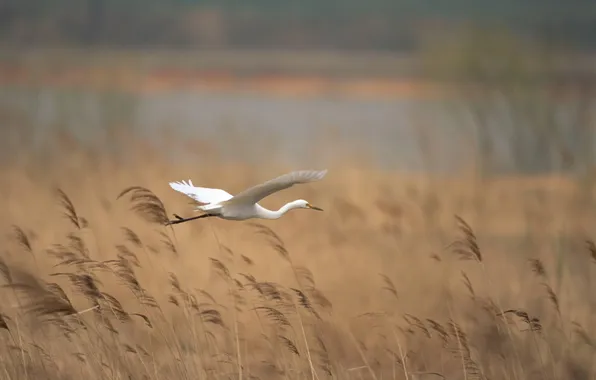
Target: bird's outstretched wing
<point>201,194</point>
<point>256,193</point>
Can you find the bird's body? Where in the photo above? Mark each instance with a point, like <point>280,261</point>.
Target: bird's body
<point>220,203</point>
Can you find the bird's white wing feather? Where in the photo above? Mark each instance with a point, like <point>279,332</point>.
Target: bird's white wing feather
<point>256,193</point>
<point>201,194</point>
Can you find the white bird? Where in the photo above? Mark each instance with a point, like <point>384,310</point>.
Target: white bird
<point>244,205</point>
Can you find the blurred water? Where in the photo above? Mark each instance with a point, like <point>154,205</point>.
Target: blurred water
<point>386,129</point>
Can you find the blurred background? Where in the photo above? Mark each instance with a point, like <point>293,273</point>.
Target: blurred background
<point>388,79</point>
<point>459,203</point>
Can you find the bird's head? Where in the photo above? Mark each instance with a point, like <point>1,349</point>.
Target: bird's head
<point>301,203</point>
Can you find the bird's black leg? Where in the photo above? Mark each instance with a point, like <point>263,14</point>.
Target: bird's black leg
<point>180,219</point>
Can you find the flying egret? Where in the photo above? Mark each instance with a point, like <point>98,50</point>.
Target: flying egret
<point>244,205</point>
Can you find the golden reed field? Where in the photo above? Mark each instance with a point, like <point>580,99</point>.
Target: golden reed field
<point>402,276</point>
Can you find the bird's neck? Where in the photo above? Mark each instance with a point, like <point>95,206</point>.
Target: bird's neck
<point>270,214</point>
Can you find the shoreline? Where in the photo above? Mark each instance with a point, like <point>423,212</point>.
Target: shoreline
<point>174,79</point>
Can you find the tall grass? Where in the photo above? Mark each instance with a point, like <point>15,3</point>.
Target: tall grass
<point>397,279</point>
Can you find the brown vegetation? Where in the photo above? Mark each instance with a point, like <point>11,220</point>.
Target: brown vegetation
<point>400,278</point>
<point>168,79</point>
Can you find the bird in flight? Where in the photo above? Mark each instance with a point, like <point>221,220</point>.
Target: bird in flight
<point>220,203</point>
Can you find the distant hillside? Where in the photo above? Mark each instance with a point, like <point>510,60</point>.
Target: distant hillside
<point>343,24</point>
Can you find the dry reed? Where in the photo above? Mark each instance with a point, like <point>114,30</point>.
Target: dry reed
<point>118,295</point>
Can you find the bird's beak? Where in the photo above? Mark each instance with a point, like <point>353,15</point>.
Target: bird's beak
<point>314,207</point>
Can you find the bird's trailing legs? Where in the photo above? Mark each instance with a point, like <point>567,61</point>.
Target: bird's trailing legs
<point>180,219</point>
